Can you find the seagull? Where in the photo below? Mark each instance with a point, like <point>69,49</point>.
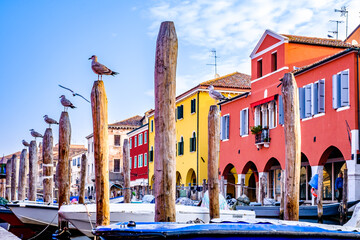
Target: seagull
<point>215,94</point>
<point>66,103</point>
<point>50,120</point>
<point>35,134</point>
<point>100,69</point>
<point>74,93</point>
<point>25,143</point>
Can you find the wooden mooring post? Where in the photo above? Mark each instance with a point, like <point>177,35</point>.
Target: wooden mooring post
<point>213,160</point>
<point>126,170</point>
<point>33,170</point>
<point>101,152</point>
<point>165,137</point>
<point>82,179</point>
<point>8,180</point>
<point>292,146</point>
<point>344,210</point>
<point>48,165</point>
<point>23,171</point>
<point>14,177</point>
<point>282,179</point>
<point>62,171</point>
<point>320,194</point>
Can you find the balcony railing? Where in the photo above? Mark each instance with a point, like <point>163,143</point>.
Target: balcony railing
<point>263,138</point>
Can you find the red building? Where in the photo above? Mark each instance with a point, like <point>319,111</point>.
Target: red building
<point>138,141</point>
<point>327,75</point>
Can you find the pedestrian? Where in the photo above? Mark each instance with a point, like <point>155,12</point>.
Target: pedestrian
<point>339,187</point>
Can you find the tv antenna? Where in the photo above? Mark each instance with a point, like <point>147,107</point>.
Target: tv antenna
<point>344,13</point>
<point>214,64</point>
<point>337,28</point>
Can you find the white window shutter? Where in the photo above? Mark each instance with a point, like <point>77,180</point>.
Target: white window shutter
<point>321,96</point>
<point>308,100</point>
<point>344,83</point>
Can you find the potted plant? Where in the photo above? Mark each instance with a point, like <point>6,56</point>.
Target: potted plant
<point>256,129</point>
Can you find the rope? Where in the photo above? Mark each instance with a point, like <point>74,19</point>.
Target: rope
<point>89,215</point>
<point>34,237</point>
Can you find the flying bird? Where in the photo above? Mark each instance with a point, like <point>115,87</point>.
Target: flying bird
<point>66,103</point>
<point>35,134</point>
<point>50,120</point>
<point>25,143</point>
<point>74,93</point>
<point>215,94</point>
<point>100,69</point>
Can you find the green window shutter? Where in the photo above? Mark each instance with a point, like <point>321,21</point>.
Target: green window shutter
<point>194,143</point>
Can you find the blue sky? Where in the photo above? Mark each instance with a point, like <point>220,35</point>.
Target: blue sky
<point>46,43</point>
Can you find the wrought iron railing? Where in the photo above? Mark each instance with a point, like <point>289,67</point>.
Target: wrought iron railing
<point>262,137</point>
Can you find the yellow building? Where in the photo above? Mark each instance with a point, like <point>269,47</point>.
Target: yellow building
<point>192,109</point>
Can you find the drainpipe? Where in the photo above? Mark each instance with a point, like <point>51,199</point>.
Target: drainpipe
<point>197,139</point>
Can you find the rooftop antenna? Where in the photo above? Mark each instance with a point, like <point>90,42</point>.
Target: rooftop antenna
<point>214,64</point>
<point>344,13</point>
<point>337,27</point>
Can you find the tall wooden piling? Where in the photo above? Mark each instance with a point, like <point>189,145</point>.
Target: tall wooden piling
<point>62,172</point>
<point>14,177</point>
<point>344,210</point>
<point>8,180</point>
<point>23,171</point>
<point>165,137</point>
<point>82,179</point>
<point>33,170</point>
<point>282,179</point>
<point>101,152</point>
<point>320,194</point>
<point>126,170</point>
<point>292,147</point>
<point>213,160</point>
<point>48,166</point>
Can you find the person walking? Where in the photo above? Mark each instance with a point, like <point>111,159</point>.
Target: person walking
<point>339,187</point>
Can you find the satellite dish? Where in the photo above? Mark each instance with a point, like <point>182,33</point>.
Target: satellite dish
<point>354,42</point>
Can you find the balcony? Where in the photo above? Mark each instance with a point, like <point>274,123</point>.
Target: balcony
<point>262,138</point>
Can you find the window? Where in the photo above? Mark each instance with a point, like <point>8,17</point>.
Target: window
<point>116,165</point>
<point>152,125</point>
<point>151,154</point>
<point>130,143</point>
<point>140,160</point>
<point>224,133</point>
<point>274,61</point>
<point>145,159</point>
<point>193,105</point>
<point>259,68</point>
<point>74,162</point>
<point>272,114</point>
<point>145,137</point>
<point>140,139</point>
<point>117,140</point>
<point>340,89</point>
<point>181,146</point>
<point>244,122</point>
<point>180,112</point>
<point>135,141</point>
<point>193,143</point>
<point>88,147</point>
<point>78,161</point>
<point>135,161</point>
<point>130,163</point>
<point>312,99</point>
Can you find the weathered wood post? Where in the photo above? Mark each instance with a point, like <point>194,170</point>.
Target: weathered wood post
<point>101,152</point>
<point>343,217</point>
<point>126,170</point>
<point>14,177</point>
<point>262,189</point>
<point>320,194</point>
<point>165,137</point>
<point>82,179</point>
<point>292,147</point>
<point>213,160</point>
<point>282,179</point>
<point>8,180</point>
<point>62,173</point>
<point>33,170</point>
<point>48,165</point>
<point>23,170</point>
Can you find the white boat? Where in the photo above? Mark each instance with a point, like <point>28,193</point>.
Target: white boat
<point>80,215</point>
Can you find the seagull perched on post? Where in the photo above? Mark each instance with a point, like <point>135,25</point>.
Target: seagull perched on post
<point>74,93</point>
<point>215,94</point>
<point>35,134</point>
<point>50,120</point>
<point>100,69</point>
<point>25,143</point>
<point>66,103</point>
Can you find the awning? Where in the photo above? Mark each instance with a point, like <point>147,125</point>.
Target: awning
<point>262,101</point>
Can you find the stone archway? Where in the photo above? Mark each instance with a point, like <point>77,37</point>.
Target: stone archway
<point>273,170</point>
<point>251,180</point>
<point>191,177</point>
<point>230,175</point>
<point>178,179</point>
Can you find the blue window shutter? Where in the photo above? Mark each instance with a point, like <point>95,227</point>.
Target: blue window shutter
<point>314,98</point>
<point>246,122</point>
<point>241,122</point>
<point>344,83</point>
<point>302,102</point>
<point>222,123</point>
<point>227,127</point>
<point>308,101</point>
<point>321,96</point>
<point>335,91</point>
<point>281,110</point>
